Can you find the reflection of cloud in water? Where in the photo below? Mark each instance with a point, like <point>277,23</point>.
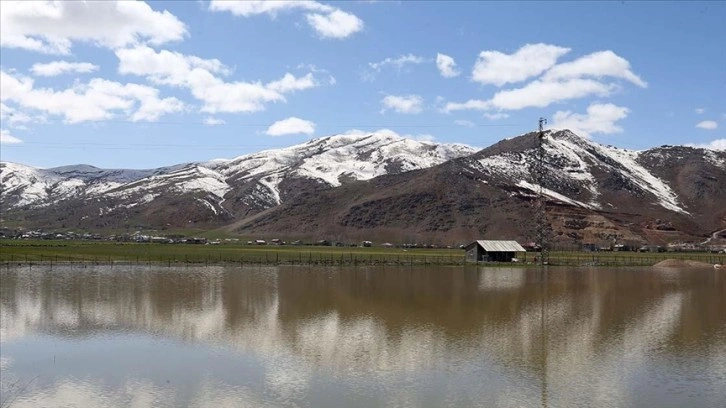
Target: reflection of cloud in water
<point>501,278</point>
<point>133,393</point>
<point>399,334</point>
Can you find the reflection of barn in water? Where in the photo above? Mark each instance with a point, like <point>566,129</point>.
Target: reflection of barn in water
<point>492,251</point>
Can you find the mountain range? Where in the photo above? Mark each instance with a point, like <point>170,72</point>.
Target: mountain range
<point>381,186</point>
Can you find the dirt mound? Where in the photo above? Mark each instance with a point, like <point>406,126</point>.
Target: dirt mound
<point>680,263</point>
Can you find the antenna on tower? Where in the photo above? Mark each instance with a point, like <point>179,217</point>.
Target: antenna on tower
<point>540,175</point>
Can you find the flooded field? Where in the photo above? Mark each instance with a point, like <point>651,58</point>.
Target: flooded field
<point>362,337</point>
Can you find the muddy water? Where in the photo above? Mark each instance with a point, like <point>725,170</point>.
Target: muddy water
<point>364,337</point>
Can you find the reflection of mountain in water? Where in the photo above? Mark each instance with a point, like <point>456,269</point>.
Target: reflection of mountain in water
<point>594,328</point>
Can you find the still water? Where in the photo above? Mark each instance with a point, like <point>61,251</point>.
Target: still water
<point>363,337</point>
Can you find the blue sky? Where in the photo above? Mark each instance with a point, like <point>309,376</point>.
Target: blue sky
<point>141,85</point>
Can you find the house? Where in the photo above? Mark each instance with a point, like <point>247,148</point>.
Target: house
<point>492,251</point>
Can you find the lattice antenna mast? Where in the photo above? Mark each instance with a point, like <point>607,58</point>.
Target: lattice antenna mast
<point>540,176</point>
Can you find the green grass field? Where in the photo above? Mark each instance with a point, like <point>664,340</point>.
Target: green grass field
<point>22,251</point>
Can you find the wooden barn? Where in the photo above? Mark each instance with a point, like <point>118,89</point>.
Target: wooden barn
<point>492,251</point>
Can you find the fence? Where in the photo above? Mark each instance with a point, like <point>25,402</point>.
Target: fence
<point>352,259</point>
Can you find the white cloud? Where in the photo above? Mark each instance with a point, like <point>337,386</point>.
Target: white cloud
<point>581,78</point>
<point>11,116</point>
<point>536,94</point>
<point>541,93</point>
<point>700,111</point>
<point>446,66</point>
<point>249,8</point>
<point>494,67</point>
<point>165,67</point>
<point>600,118</point>
<point>289,83</point>
<point>496,116</point>
<point>397,63</point>
<point>596,65</point>
<point>327,21</point>
<point>707,124</point>
<point>7,138</point>
<point>99,99</point>
<point>212,121</point>
<point>52,27</point>
<point>466,123</point>
<point>337,24</point>
<point>718,144</point>
<point>403,104</point>
<point>312,68</point>
<point>291,126</point>
<point>201,77</point>
<point>62,67</point>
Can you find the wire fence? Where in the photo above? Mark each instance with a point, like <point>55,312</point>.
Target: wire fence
<point>352,259</point>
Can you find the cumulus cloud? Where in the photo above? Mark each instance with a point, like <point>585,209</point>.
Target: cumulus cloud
<point>446,66</point>
<point>497,68</point>
<point>291,126</point>
<point>212,121</point>
<point>542,93</point>
<point>52,27</point>
<point>13,117</point>
<point>99,99</point>
<point>337,24</point>
<point>62,67</point>
<point>707,124</point>
<point>700,111</point>
<point>537,94</point>
<point>7,138</point>
<point>593,75</point>
<point>718,144</point>
<point>596,65</point>
<point>600,118</point>
<point>203,78</point>
<point>327,21</point>
<point>411,104</point>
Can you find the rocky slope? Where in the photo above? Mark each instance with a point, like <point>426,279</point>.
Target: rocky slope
<point>207,193</point>
<point>595,193</point>
<point>384,187</point>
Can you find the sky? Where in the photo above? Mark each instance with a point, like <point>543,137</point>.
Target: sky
<point>149,84</point>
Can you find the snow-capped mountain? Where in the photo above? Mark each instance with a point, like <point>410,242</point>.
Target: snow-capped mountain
<point>319,188</point>
<point>246,184</point>
<point>594,191</point>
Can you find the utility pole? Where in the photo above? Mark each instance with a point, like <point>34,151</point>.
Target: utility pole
<point>540,175</point>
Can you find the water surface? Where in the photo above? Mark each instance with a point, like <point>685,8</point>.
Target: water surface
<point>362,337</point>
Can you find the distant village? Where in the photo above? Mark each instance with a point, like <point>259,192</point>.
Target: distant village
<point>139,237</point>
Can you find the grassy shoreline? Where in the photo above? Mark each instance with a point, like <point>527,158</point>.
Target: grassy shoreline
<point>104,252</point>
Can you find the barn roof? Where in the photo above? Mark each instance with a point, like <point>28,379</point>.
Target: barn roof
<point>500,246</point>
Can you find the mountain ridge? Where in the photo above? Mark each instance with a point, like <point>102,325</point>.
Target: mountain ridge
<point>383,184</point>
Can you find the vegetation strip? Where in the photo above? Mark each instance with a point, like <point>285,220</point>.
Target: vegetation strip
<point>128,253</point>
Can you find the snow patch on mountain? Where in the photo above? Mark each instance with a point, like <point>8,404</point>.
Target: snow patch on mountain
<point>714,159</point>
<point>623,161</point>
<point>553,194</point>
<point>667,198</point>
<point>330,159</point>
<point>190,179</point>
